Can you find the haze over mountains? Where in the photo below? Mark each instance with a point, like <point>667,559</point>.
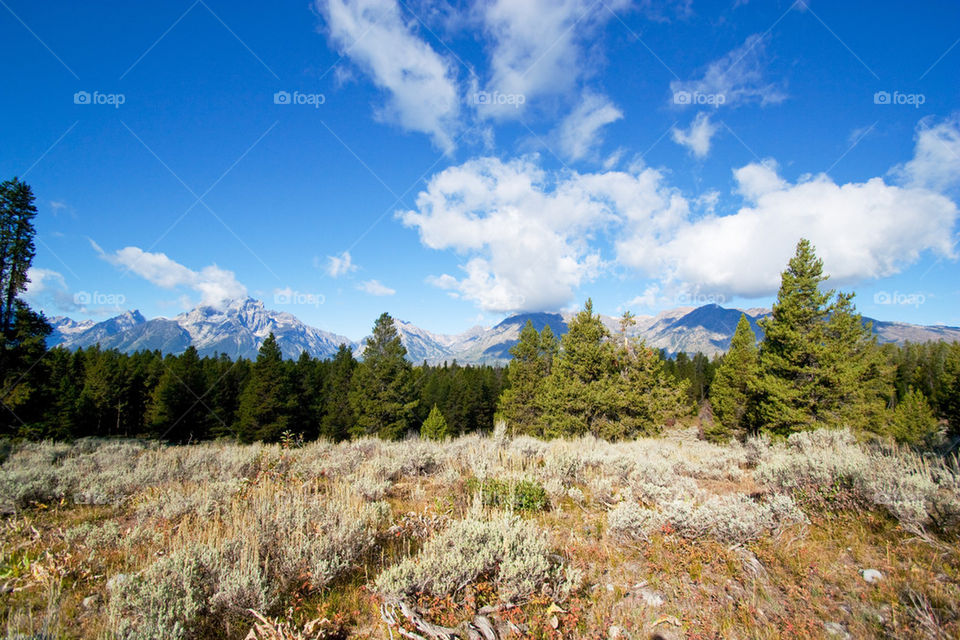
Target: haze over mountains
<point>240,328</point>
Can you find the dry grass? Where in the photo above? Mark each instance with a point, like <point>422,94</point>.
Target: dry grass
<point>667,536</point>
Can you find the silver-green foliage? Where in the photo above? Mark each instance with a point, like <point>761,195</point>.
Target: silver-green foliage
<point>731,519</point>
<point>511,553</point>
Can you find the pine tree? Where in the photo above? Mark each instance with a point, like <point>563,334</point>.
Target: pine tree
<point>858,380</point>
<point>732,394</point>
<point>599,388</point>
<point>382,394</point>
<point>532,356</point>
<point>178,410</point>
<point>819,365</point>
<point>435,426</point>
<point>338,418</point>
<point>17,212</point>
<point>950,402</point>
<point>266,402</point>
<point>912,421</point>
<point>308,385</point>
<point>22,331</point>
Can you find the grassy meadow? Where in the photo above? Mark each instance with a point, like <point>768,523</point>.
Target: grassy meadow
<point>480,537</point>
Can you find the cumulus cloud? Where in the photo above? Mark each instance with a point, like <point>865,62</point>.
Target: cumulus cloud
<point>697,137</point>
<point>523,234</point>
<point>579,133</point>
<point>861,230</point>
<point>936,163</point>
<point>216,286</point>
<point>421,84</point>
<point>529,238</point>
<point>376,288</point>
<point>736,78</point>
<point>340,265</point>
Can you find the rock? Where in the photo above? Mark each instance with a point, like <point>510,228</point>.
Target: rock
<point>836,629</point>
<point>90,602</point>
<point>614,632</point>
<point>650,598</point>
<point>871,576</point>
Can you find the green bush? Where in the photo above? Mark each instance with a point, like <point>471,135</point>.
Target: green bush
<point>523,495</point>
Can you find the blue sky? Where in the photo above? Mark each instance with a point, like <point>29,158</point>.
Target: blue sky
<point>453,163</point>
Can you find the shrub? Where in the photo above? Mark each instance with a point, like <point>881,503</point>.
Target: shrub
<point>510,553</point>
<point>272,543</point>
<point>169,599</point>
<point>830,467</point>
<point>435,426</point>
<point>93,536</point>
<point>731,519</point>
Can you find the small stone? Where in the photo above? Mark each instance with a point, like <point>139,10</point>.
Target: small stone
<point>836,629</point>
<point>90,601</point>
<point>615,632</point>
<point>650,598</point>
<point>871,576</point>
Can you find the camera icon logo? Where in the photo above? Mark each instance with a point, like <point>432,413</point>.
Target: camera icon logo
<point>281,97</point>
<point>881,97</point>
<point>482,97</point>
<point>682,97</point>
<point>81,97</point>
<point>882,297</point>
<point>81,297</point>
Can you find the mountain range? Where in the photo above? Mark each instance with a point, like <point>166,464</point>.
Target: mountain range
<point>241,326</point>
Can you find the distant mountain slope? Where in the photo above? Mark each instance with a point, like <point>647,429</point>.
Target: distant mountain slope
<point>237,330</point>
<point>240,328</point>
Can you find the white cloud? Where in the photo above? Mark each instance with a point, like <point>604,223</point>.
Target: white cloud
<point>861,230</point>
<point>375,288</point>
<point>736,78</point>
<point>578,134</point>
<point>422,88</point>
<point>216,286</point>
<point>936,162</point>
<point>697,137</point>
<point>529,238</point>
<point>47,290</point>
<point>538,47</point>
<point>648,299</point>
<point>523,234</point>
<point>340,265</point>
<point>43,280</point>
<point>758,178</point>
